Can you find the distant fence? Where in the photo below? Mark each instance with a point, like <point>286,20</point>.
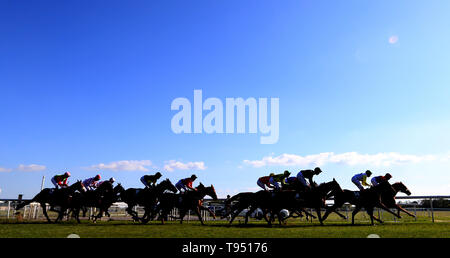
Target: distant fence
<point>33,211</point>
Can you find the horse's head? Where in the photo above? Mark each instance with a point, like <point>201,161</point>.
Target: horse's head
<point>211,192</point>
<point>200,187</point>
<point>105,187</point>
<point>77,186</point>
<point>118,189</point>
<point>399,186</point>
<point>169,186</point>
<point>335,185</point>
<point>328,186</point>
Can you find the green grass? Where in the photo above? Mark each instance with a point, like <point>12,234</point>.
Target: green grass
<point>220,229</point>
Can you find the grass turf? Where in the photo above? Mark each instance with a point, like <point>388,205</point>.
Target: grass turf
<point>220,229</point>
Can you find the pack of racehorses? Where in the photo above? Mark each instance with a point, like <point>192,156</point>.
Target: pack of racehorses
<point>160,200</point>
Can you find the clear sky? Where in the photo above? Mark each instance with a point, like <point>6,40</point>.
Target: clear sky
<point>87,86</point>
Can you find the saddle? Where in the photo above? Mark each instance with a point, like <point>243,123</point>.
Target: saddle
<point>357,194</point>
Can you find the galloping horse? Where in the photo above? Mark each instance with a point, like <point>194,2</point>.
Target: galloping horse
<point>102,197</point>
<point>369,199</point>
<point>388,198</point>
<point>294,200</point>
<point>191,200</point>
<point>146,197</point>
<point>243,201</point>
<point>291,198</point>
<point>55,197</point>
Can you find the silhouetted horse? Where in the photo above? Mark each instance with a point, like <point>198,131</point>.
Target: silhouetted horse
<point>243,201</point>
<point>246,200</point>
<point>102,197</point>
<point>367,199</point>
<point>388,198</point>
<point>55,197</point>
<point>147,197</point>
<point>294,200</point>
<point>190,200</point>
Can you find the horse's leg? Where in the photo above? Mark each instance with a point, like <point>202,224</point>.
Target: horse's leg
<point>145,216</point>
<point>340,214</point>
<point>44,210</point>
<point>209,210</point>
<point>319,215</point>
<point>76,213</point>
<point>309,215</point>
<point>155,212</point>
<point>99,215</point>
<point>355,211</point>
<point>60,215</point>
<point>249,212</point>
<point>133,214</point>
<point>197,211</point>
<point>235,213</point>
<point>279,218</point>
<point>381,205</point>
<point>265,214</point>
<point>370,213</point>
<point>372,217</point>
<point>271,218</point>
<point>85,210</point>
<point>331,209</point>
<point>163,215</point>
<point>299,214</point>
<point>183,213</point>
<point>399,208</point>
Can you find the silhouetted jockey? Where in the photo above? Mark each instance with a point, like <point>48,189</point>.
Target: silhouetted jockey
<point>186,184</point>
<point>264,182</point>
<point>360,179</point>
<point>60,180</point>
<point>91,183</point>
<point>275,180</point>
<point>308,174</point>
<point>379,179</point>
<point>150,180</point>
<point>111,180</point>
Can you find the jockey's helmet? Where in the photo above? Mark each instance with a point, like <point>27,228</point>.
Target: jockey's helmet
<point>317,170</point>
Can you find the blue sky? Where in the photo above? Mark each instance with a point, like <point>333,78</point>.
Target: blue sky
<point>84,84</point>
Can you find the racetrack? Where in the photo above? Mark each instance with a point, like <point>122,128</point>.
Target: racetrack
<point>422,228</point>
